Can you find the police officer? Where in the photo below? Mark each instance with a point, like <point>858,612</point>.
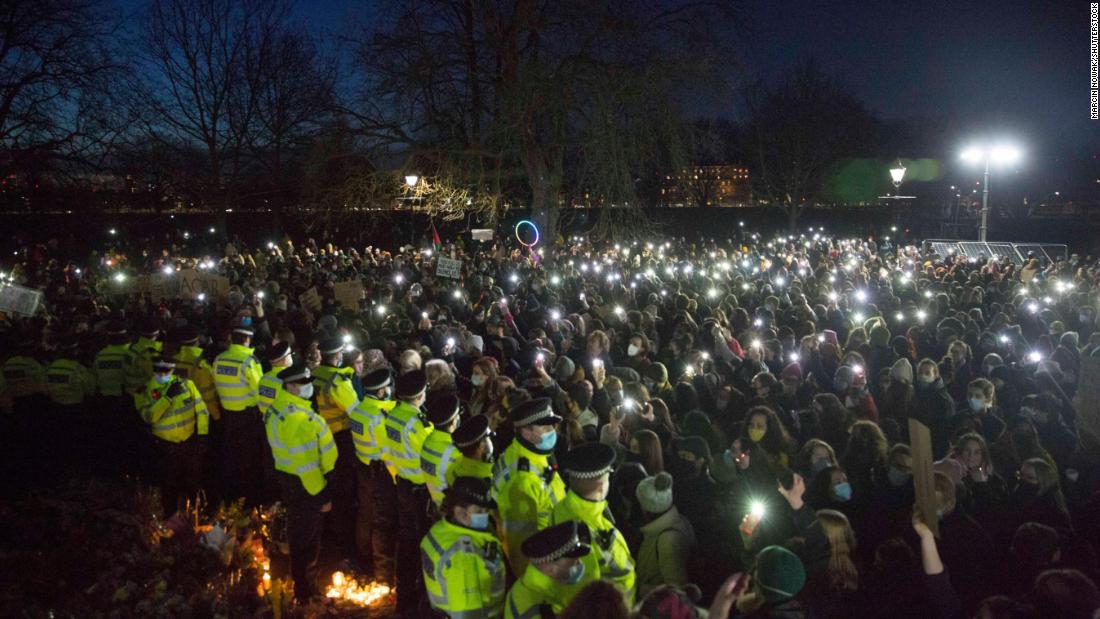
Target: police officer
<point>588,471</point>
<point>25,388</point>
<point>237,375</point>
<point>555,574</point>
<point>405,430</point>
<point>438,454</point>
<point>69,385</point>
<point>526,485</point>
<point>110,366</point>
<point>304,453</point>
<point>280,358</point>
<point>191,365</point>
<point>175,412</point>
<point>376,518</point>
<point>474,441</point>
<point>139,366</point>
<point>335,397</point>
<point>463,563</point>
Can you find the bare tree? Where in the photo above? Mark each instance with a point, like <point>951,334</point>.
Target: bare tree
<point>202,59</point>
<point>57,66</point>
<point>798,131</point>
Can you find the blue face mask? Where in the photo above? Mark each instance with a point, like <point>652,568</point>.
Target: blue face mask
<point>843,491</point>
<point>162,379</point>
<point>480,521</point>
<point>977,405</point>
<point>897,476</point>
<point>727,457</point>
<point>548,440</point>
<point>476,380</point>
<point>576,573</point>
<point>246,321</point>
<point>820,465</point>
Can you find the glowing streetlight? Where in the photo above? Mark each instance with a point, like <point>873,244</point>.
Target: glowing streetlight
<point>896,174</point>
<point>411,180</point>
<point>1001,154</point>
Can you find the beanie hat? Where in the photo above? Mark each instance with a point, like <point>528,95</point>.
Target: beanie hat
<point>779,574</point>
<point>655,493</point>
<point>668,602</point>
<point>880,335</point>
<point>564,368</point>
<point>657,372</point>
<point>793,371</point>
<point>902,371</point>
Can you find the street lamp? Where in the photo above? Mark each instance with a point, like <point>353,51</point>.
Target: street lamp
<point>411,180</point>
<point>896,174</point>
<point>984,155</point>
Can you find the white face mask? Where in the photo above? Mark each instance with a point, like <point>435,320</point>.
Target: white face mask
<point>306,391</point>
<point>632,350</point>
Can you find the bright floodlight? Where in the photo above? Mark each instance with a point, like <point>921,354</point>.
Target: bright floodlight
<point>1005,154</point>
<point>411,180</point>
<point>973,154</point>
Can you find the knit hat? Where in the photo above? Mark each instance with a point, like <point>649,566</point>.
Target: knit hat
<point>793,371</point>
<point>779,574</point>
<point>564,368</point>
<point>880,335</point>
<point>695,445</point>
<point>655,493</point>
<point>657,372</point>
<point>668,602</point>
<point>902,371</point>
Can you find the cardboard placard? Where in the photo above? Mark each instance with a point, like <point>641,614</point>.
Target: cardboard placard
<point>160,286</point>
<point>920,446</point>
<point>193,282</point>
<point>482,234</point>
<point>310,300</point>
<point>349,294</point>
<point>1087,404</point>
<point>16,299</point>
<point>448,267</point>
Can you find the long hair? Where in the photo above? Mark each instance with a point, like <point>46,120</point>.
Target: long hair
<point>649,451</point>
<point>842,572</point>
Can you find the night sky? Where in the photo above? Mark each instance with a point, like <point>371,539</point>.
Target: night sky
<point>1013,68</point>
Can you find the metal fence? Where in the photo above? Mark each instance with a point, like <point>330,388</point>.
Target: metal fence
<point>1016,252</point>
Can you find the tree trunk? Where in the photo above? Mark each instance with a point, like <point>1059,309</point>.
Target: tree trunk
<point>793,213</point>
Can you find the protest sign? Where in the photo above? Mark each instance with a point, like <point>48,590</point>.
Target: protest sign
<point>15,299</point>
<point>349,294</point>
<point>310,300</point>
<point>920,446</point>
<point>192,283</point>
<point>1087,405</point>
<point>482,234</point>
<point>448,267</point>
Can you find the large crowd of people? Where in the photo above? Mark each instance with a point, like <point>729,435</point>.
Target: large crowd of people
<point>594,429</point>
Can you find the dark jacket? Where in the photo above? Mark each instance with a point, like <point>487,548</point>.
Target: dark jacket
<point>933,407</point>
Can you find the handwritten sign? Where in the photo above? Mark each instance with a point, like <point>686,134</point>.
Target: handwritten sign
<point>310,300</point>
<point>349,294</point>
<point>16,299</point>
<point>448,267</point>
<point>192,283</point>
<point>482,234</point>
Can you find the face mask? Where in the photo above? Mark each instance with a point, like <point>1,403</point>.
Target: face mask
<point>480,521</point>
<point>926,379</point>
<point>306,391</point>
<point>820,465</point>
<point>632,350</point>
<point>280,305</point>
<point>163,379</point>
<point>843,491</point>
<point>1027,490</point>
<point>649,385</point>
<point>548,440</point>
<point>728,458</point>
<point>756,434</point>
<point>977,405</point>
<point>488,457</point>
<point>476,380</point>
<point>576,573</point>
<point>246,321</point>
<point>897,476</point>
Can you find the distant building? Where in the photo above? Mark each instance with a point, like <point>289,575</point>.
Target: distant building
<point>707,186</point>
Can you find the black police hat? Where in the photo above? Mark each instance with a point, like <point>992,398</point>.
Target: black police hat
<point>278,351</point>
<point>297,374</point>
<point>377,379</point>
<point>331,346</point>
<point>149,327</point>
<point>537,411</point>
<point>116,327</point>
<point>187,334</point>
<point>442,408</point>
<point>163,364</point>
<point>472,431</point>
<point>469,490</point>
<point>569,539</point>
<point>412,384</point>
<point>589,461</point>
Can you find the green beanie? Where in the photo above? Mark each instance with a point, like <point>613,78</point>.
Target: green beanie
<point>779,574</point>
<point>880,335</point>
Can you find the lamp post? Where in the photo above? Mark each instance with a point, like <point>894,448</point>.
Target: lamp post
<point>983,155</point>
<point>897,174</point>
